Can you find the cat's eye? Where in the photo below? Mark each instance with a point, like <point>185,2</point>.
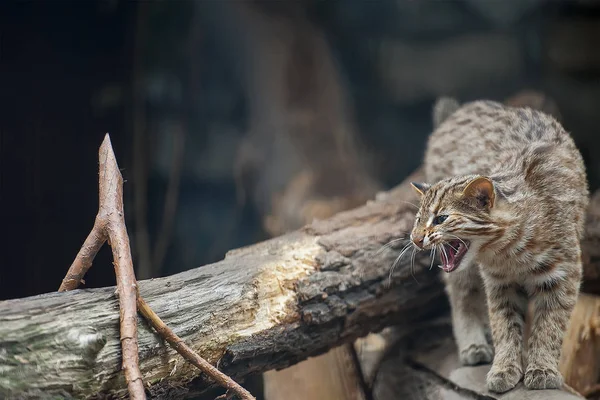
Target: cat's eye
<point>439,219</point>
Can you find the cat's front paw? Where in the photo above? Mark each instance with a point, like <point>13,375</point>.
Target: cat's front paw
<point>502,379</point>
<point>477,354</point>
<point>543,378</point>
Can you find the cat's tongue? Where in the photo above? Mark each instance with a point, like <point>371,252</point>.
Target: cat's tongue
<point>452,255</point>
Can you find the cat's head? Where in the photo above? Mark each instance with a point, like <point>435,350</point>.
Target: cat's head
<point>455,218</point>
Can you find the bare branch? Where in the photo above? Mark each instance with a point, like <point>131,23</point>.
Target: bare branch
<point>110,224</point>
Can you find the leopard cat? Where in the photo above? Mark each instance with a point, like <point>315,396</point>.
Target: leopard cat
<point>504,206</point>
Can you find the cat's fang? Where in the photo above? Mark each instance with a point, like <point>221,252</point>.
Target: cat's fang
<point>453,254</point>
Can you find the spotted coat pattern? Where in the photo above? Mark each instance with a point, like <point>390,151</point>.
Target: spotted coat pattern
<point>523,242</point>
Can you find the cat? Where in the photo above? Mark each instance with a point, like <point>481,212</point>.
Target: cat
<point>504,206</point>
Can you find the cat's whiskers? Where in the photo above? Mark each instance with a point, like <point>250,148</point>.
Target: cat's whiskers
<point>412,263</point>
<point>432,255</point>
<point>404,250</point>
<point>389,244</point>
<point>412,204</point>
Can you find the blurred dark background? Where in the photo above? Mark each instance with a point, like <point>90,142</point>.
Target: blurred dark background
<point>215,109</point>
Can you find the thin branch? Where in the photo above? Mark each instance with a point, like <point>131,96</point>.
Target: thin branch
<point>123,263</point>
<point>165,332</point>
<point>110,224</point>
<point>85,257</point>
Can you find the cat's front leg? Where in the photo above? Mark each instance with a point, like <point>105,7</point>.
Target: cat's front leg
<point>553,301</point>
<point>469,315</point>
<point>507,305</point>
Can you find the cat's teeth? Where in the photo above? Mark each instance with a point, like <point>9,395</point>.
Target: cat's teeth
<point>441,267</point>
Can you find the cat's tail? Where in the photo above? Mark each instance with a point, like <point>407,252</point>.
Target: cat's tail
<point>443,108</point>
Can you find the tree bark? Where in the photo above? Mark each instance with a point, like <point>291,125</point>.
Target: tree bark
<point>263,307</point>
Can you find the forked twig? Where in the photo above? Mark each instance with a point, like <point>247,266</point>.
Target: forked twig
<point>110,225</point>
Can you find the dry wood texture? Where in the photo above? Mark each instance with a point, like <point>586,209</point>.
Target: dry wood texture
<point>580,361</point>
<point>263,307</point>
<point>110,226</point>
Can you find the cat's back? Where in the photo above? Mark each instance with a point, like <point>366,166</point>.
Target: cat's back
<point>488,138</point>
<point>526,152</point>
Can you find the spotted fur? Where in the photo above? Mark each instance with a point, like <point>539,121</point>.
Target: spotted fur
<point>513,185</point>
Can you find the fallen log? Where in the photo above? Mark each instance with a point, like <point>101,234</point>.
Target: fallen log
<point>265,306</point>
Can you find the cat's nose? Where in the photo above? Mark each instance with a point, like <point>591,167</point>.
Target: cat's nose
<point>418,240</point>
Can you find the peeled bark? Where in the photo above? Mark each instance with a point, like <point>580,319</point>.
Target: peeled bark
<point>263,307</point>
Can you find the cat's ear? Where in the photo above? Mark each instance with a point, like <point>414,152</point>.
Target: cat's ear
<point>482,190</point>
<point>420,188</point>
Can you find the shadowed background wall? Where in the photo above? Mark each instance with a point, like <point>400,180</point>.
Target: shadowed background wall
<point>71,71</point>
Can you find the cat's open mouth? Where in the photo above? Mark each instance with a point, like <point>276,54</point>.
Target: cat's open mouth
<point>453,253</point>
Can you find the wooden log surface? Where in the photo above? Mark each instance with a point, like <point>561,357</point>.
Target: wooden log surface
<point>263,307</point>
<point>580,359</point>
